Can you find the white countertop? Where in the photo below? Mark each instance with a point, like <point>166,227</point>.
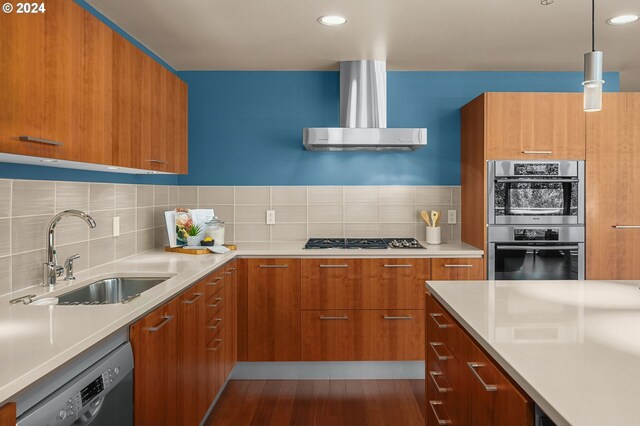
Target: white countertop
<point>573,346</point>
<point>35,340</point>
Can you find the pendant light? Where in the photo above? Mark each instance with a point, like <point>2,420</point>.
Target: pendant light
<point>593,71</point>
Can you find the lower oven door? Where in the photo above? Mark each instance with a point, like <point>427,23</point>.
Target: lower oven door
<point>558,261</point>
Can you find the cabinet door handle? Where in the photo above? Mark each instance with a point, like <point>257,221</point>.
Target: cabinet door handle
<point>465,265</point>
<point>158,161</point>
<point>335,266</point>
<point>215,282</point>
<point>215,305</point>
<point>215,327</point>
<point>537,152</point>
<point>390,317</point>
<point>216,347</point>
<point>433,375</point>
<point>440,421</point>
<point>438,323</point>
<point>626,226</point>
<point>474,369</point>
<point>274,266</point>
<point>165,320</point>
<point>435,351</point>
<point>399,266</point>
<point>334,318</point>
<point>40,140</point>
<point>196,296</point>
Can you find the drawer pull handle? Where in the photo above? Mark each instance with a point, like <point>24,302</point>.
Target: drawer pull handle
<point>474,369</point>
<point>334,318</point>
<point>215,327</point>
<point>196,296</point>
<point>390,317</point>
<point>398,266</point>
<point>215,282</point>
<point>537,152</point>
<point>433,375</point>
<point>158,161</point>
<point>40,140</point>
<point>165,320</point>
<point>274,266</point>
<point>435,413</point>
<point>215,305</point>
<point>435,351</point>
<point>438,323</point>
<point>228,273</point>
<point>216,347</point>
<point>626,226</point>
<point>466,265</point>
<point>335,266</point>
<point>232,269</point>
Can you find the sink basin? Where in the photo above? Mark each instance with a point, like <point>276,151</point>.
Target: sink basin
<point>110,290</point>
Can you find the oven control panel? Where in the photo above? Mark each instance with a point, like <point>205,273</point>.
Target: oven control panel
<point>536,234</point>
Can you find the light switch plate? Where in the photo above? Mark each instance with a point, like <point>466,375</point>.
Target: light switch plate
<point>116,226</point>
<point>451,217</point>
<point>271,217</point>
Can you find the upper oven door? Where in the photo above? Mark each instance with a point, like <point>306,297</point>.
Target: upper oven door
<point>536,192</point>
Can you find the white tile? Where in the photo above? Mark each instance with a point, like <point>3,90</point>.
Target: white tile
<point>252,195</point>
<point>433,195</point>
<point>325,230</point>
<point>289,232</point>
<point>290,214</point>
<point>252,232</point>
<point>224,212</point>
<point>5,277</point>
<point>398,214</point>
<point>102,196</point>
<point>288,195</point>
<point>397,230</point>
<point>362,230</point>
<point>251,214</point>
<point>72,195</point>
<point>104,224</point>
<point>456,195</point>
<point>5,249</point>
<point>26,269</point>
<point>325,214</point>
<point>145,218</point>
<point>29,233</point>
<point>5,198</point>
<point>101,251</point>
<point>161,195</point>
<point>173,195</point>
<point>325,195</point>
<point>368,195</point>
<point>215,195</point>
<point>398,195</point>
<point>125,245</point>
<point>144,240</point>
<point>128,218</point>
<point>126,196</point>
<point>187,195</point>
<point>144,197</point>
<point>32,197</point>
<point>71,230</point>
<point>160,237</point>
<point>361,214</point>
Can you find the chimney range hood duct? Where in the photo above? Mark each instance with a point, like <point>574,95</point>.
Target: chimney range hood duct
<point>363,115</point>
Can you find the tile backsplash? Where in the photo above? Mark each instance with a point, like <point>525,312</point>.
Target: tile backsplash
<point>302,212</point>
<point>27,206</point>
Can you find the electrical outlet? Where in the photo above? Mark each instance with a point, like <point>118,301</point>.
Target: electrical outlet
<point>271,217</point>
<point>116,226</point>
<point>451,217</point>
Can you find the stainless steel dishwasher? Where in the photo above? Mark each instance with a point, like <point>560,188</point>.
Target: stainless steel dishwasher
<point>99,395</point>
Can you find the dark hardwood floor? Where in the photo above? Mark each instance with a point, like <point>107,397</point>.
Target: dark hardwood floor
<point>320,403</point>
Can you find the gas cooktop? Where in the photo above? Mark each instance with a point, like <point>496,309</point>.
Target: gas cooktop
<point>362,243</point>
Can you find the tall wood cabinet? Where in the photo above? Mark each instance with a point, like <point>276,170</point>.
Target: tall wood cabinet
<point>613,188</point>
<point>78,91</point>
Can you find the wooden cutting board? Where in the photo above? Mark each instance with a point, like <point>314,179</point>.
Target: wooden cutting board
<point>187,251</point>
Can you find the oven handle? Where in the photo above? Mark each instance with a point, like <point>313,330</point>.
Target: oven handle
<point>537,180</point>
<point>542,248</point>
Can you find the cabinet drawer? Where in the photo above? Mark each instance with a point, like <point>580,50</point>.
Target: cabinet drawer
<point>331,284</point>
<point>215,324</point>
<point>393,335</point>
<point>213,282</point>
<point>438,412</point>
<point>449,269</point>
<point>394,283</point>
<point>214,304</point>
<point>442,328</point>
<point>331,335</point>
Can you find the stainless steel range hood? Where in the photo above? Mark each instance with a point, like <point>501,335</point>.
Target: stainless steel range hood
<point>363,115</point>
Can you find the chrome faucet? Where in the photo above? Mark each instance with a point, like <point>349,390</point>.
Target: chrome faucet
<point>52,270</point>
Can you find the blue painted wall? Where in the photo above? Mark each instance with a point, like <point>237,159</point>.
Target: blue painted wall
<point>18,171</point>
<point>245,127</point>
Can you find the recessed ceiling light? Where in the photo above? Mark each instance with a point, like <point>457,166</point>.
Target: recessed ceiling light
<point>332,20</point>
<point>622,19</point>
<point>48,160</point>
<point>152,173</point>
<point>113,168</point>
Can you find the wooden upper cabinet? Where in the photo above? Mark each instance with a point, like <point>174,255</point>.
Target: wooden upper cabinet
<point>273,321</point>
<point>531,126</point>
<point>613,188</point>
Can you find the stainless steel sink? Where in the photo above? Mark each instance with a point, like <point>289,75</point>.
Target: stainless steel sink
<point>110,290</point>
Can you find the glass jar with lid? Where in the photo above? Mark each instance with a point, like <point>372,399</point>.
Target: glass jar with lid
<point>215,230</point>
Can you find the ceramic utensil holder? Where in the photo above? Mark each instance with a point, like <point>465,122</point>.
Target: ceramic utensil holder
<point>434,235</point>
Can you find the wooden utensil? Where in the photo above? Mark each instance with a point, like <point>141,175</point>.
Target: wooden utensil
<point>435,217</point>
<point>425,217</point>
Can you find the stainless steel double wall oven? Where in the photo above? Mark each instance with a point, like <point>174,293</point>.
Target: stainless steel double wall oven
<point>536,220</point>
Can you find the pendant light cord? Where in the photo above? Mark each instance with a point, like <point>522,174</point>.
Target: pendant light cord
<point>593,25</point>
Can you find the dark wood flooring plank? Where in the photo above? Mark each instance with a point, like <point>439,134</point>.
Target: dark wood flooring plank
<point>418,387</point>
<point>283,410</point>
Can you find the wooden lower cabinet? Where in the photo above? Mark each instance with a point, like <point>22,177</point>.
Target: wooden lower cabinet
<point>184,351</point>
<point>449,269</point>
<point>464,385</point>
<point>394,283</point>
<point>8,414</point>
<point>362,335</point>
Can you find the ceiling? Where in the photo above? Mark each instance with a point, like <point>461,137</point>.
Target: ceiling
<point>505,35</point>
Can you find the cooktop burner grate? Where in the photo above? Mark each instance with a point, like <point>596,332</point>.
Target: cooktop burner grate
<point>362,243</point>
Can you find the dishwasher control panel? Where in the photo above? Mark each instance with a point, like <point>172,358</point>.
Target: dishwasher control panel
<point>82,397</point>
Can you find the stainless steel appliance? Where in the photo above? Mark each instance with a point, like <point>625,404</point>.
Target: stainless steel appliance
<point>100,395</point>
<point>536,253</point>
<point>362,243</point>
<point>536,192</point>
